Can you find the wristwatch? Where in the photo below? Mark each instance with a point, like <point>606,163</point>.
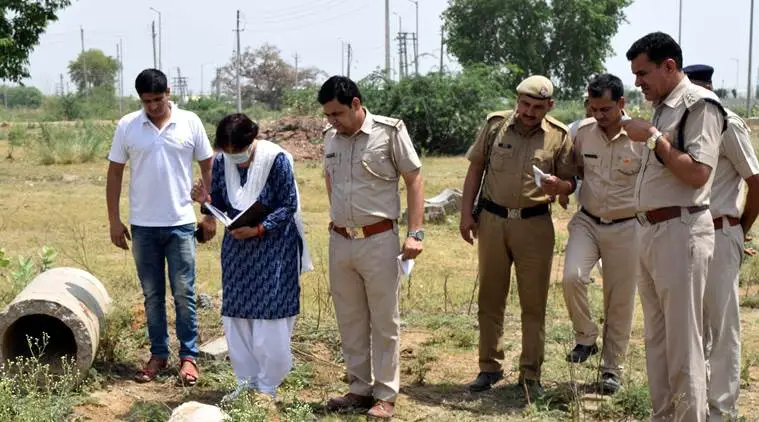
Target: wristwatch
<point>417,234</point>
<point>651,141</point>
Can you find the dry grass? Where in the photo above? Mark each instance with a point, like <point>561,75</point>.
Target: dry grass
<point>64,207</point>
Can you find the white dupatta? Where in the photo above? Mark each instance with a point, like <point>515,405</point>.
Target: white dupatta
<point>242,197</point>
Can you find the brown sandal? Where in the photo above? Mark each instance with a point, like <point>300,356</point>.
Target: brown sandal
<point>185,376</point>
<point>154,366</point>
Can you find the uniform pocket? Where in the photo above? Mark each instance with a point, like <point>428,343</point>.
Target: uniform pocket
<point>331,161</point>
<point>627,165</point>
<point>503,159</point>
<point>543,159</point>
<point>379,164</point>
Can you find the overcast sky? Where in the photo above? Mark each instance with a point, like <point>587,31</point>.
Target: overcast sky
<point>200,35</point>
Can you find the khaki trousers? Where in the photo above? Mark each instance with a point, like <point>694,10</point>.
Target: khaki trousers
<point>528,244</point>
<point>616,245</point>
<point>722,325</point>
<point>675,258</point>
<point>364,283</point>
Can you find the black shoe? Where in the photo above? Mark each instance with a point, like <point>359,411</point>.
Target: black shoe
<point>485,380</point>
<point>610,384</point>
<point>581,353</point>
<point>531,389</point>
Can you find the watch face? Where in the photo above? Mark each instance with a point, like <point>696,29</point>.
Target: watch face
<point>418,235</point>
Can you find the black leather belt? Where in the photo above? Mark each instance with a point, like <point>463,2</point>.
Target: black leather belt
<point>604,221</point>
<point>514,213</point>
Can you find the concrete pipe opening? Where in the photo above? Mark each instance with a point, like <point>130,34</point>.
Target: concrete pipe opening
<point>62,312</point>
<point>43,336</point>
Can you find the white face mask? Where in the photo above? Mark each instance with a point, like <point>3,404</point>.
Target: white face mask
<point>238,157</point>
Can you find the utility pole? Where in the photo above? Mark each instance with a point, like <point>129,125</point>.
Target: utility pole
<point>238,65</point>
<point>349,61</point>
<point>387,40</point>
<point>342,58</point>
<point>155,60</point>
<point>750,50</point>
<point>121,75</point>
<point>218,83</point>
<point>680,25</point>
<point>84,63</point>
<point>442,48</point>
<point>160,39</point>
<point>737,70</point>
<point>296,70</point>
<point>402,55</point>
<point>120,60</point>
<point>416,38</point>
<point>62,87</point>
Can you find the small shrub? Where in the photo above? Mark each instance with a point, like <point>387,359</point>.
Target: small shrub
<point>66,145</point>
<point>33,391</point>
<point>16,137</point>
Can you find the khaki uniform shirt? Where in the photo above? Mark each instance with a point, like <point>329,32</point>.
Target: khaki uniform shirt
<point>737,162</point>
<point>609,170</point>
<point>657,186</point>
<point>365,168</point>
<point>510,179</point>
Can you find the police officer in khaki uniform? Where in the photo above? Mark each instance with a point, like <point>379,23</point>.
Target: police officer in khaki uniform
<point>722,327</point>
<point>676,232</point>
<point>365,156</point>
<point>514,223</point>
<point>609,162</point>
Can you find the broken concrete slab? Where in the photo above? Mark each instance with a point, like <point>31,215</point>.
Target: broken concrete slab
<point>215,349</point>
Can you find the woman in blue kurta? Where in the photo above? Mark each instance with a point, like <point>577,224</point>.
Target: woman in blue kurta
<point>260,265</point>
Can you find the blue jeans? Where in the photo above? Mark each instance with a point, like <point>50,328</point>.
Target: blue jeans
<point>152,247</point>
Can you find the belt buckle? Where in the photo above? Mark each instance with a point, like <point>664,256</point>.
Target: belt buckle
<point>605,220</point>
<point>642,218</point>
<point>355,233</point>
<point>514,213</point>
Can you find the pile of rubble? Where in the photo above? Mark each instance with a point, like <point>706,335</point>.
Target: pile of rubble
<point>300,136</point>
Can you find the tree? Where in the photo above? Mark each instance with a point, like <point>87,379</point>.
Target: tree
<point>22,96</point>
<point>264,76</point>
<point>21,24</point>
<point>93,69</point>
<point>565,40</point>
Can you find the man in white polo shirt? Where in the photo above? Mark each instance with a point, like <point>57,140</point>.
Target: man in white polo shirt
<point>161,142</point>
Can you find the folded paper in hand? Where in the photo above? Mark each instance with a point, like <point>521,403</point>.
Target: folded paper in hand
<point>251,217</point>
<point>538,175</point>
<point>406,266</point>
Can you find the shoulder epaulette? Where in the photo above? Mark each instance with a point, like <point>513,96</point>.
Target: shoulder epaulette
<point>505,114</point>
<point>388,121</point>
<point>557,123</point>
<point>586,122</point>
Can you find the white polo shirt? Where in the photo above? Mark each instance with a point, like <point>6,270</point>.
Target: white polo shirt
<point>161,165</point>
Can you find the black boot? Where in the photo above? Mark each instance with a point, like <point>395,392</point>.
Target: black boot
<point>485,380</point>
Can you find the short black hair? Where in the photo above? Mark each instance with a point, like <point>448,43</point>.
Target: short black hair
<point>341,88</point>
<point>658,46</point>
<point>235,130</point>
<point>151,81</point>
<point>603,82</point>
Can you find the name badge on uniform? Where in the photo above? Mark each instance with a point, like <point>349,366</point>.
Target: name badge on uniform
<point>590,155</point>
<point>331,155</point>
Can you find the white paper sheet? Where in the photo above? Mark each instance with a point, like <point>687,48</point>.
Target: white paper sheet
<point>538,173</point>
<point>406,266</point>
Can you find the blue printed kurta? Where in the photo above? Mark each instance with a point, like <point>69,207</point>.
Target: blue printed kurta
<point>259,276</point>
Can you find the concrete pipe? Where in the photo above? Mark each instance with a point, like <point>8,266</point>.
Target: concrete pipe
<point>67,304</point>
